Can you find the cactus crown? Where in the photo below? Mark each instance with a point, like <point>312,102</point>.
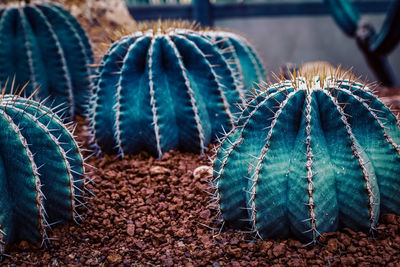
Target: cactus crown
<point>164,26</point>
<point>41,183</point>
<point>42,43</point>
<point>312,154</point>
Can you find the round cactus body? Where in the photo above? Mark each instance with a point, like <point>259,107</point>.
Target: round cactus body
<point>309,157</point>
<point>160,90</point>
<point>242,56</point>
<point>41,171</point>
<point>44,46</point>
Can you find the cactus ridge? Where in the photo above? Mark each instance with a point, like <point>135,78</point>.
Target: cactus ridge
<point>178,80</point>
<point>44,45</point>
<point>46,168</point>
<point>243,57</point>
<point>79,30</point>
<point>308,157</point>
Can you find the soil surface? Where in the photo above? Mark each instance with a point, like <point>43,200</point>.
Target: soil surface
<point>157,212</point>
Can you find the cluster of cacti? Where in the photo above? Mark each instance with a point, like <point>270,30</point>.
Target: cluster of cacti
<point>163,89</point>
<point>310,155</point>
<point>45,46</point>
<point>241,56</point>
<point>375,45</point>
<point>41,171</point>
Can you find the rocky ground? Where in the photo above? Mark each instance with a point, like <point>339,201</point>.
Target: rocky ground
<point>156,212</point>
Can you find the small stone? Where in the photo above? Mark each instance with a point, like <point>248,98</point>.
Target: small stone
<point>279,250</point>
<point>114,258</point>
<point>348,261</point>
<point>155,170</point>
<point>389,219</point>
<point>23,245</point>
<point>205,214</point>
<point>332,245</point>
<point>169,262</point>
<point>202,171</point>
<point>236,252</point>
<point>294,243</point>
<point>130,229</point>
<point>265,246</point>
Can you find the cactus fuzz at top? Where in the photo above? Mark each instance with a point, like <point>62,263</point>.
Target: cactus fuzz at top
<point>310,155</point>
<point>43,44</point>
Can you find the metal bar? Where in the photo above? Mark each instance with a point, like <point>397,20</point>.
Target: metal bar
<point>239,10</point>
<point>243,10</point>
<point>202,10</point>
<point>154,12</point>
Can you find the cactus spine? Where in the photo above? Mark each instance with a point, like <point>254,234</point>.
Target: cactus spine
<point>310,155</point>
<point>41,171</point>
<point>44,45</point>
<point>163,89</point>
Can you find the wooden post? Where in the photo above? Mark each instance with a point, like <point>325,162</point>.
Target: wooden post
<point>202,12</point>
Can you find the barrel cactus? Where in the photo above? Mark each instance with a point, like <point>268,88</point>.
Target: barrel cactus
<point>310,155</point>
<point>242,56</point>
<point>163,89</point>
<point>43,44</point>
<point>41,171</point>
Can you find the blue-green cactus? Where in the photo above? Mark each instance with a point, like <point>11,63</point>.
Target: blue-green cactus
<point>41,171</point>
<point>43,44</point>
<point>242,56</point>
<point>163,89</point>
<point>307,157</point>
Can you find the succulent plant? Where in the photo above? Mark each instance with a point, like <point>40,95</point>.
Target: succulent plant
<point>43,44</point>
<point>41,171</point>
<point>163,89</point>
<point>242,56</point>
<point>310,155</point>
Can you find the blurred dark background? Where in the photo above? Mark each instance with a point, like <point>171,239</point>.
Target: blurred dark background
<point>283,31</point>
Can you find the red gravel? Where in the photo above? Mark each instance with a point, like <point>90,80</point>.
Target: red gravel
<point>150,212</point>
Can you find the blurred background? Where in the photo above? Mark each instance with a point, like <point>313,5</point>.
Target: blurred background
<point>283,31</point>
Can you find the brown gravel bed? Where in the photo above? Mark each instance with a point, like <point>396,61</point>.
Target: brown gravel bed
<point>150,212</point>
